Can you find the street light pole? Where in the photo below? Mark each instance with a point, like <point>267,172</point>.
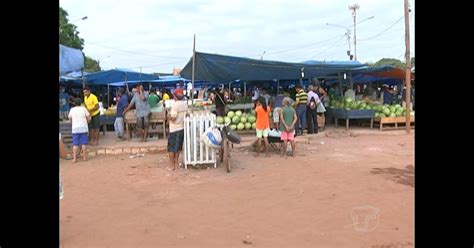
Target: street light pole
<point>354,9</point>
<point>347,34</point>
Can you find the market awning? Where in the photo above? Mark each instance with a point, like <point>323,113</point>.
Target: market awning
<point>70,59</point>
<point>222,68</point>
<point>117,76</point>
<point>383,72</point>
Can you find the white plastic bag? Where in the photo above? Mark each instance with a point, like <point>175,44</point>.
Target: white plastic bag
<point>212,138</point>
<point>274,133</point>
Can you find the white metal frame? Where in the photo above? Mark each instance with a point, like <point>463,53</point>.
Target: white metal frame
<point>194,126</point>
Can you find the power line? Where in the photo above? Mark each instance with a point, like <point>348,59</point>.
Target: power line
<point>132,52</point>
<point>304,46</point>
<point>155,65</point>
<point>331,46</point>
<point>384,29</point>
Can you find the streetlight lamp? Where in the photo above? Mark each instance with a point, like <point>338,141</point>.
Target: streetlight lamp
<point>261,56</point>
<point>71,22</point>
<point>83,18</point>
<point>348,34</point>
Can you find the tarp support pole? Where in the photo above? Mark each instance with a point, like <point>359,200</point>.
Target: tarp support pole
<point>245,89</point>
<point>340,83</point>
<point>192,74</point>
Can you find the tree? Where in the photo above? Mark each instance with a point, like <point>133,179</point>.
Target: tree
<point>390,61</point>
<point>91,65</point>
<point>393,62</point>
<point>69,36</point>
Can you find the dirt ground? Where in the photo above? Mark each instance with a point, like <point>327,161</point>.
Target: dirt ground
<point>341,190</point>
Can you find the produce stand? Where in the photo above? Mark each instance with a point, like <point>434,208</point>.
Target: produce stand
<point>391,123</point>
<point>351,114</point>
<point>105,120</point>
<point>130,121</point>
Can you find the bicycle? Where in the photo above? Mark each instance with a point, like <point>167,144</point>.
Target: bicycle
<point>228,136</point>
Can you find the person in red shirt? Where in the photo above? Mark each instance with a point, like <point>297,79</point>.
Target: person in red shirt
<point>262,125</point>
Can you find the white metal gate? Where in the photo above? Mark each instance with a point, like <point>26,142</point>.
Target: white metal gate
<point>195,151</point>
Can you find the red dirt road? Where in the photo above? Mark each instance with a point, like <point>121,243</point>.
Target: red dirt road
<point>307,201</point>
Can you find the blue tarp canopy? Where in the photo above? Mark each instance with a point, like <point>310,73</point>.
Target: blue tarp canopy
<point>222,68</point>
<point>117,76</point>
<point>167,80</point>
<point>70,59</point>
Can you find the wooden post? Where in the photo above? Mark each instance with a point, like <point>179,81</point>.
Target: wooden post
<point>108,95</point>
<point>340,84</point>
<point>245,89</point>
<point>408,68</point>
<point>278,87</point>
<point>192,73</point>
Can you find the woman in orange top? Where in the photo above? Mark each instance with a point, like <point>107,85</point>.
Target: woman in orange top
<point>263,123</point>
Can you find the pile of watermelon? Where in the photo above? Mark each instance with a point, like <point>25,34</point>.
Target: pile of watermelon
<point>384,110</point>
<point>238,120</point>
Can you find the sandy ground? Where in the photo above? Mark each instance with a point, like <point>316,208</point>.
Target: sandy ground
<point>341,190</point>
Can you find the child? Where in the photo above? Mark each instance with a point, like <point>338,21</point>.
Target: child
<point>262,125</point>
<point>288,120</point>
<point>79,117</point>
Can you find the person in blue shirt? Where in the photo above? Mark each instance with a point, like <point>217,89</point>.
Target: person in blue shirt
<point>64,100</point>
<point>387,95</point>
<point>121,105</point>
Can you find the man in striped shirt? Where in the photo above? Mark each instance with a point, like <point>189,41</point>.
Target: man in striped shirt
<point>300,105</point>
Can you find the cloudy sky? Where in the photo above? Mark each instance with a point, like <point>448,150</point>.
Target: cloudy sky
<point>157,35</point>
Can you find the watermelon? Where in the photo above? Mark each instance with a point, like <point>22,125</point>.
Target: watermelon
<point>248,126</point>
<point>238,113</point>
<point>233,127</point>
<point>227,120</point>
<point>235,119</point>
<point>231,114</point>
<point>254,125</point>
<point>219,120</point>
<point>243,119</point>
<point>252,119</point>
<point>386,111</point>
<point>240,126</point>
<point>392,115</point>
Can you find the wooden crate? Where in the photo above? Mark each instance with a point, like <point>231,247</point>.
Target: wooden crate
<point>391,123</point>
<point>158,119</point>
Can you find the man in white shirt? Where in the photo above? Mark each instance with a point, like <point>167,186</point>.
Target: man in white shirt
<point>79,117</point>
<point>350,93</point>
<point>311,110</point>
<point>176,122</point>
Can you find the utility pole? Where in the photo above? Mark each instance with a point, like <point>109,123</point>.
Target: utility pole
<point>408,68</point>
<point>354,9</point>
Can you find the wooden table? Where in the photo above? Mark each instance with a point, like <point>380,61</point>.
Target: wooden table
<point>130,120</point>
<point>353,114</point>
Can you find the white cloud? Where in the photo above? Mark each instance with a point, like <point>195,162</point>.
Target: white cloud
<point>154,31</point>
